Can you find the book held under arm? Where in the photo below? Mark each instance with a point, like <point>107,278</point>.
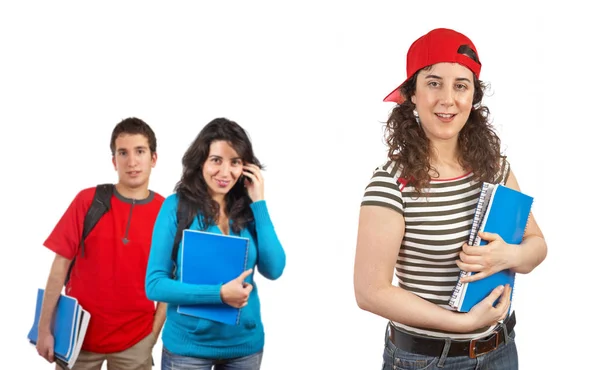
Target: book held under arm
<point>68,328</point>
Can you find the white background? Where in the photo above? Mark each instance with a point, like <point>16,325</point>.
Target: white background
<point>306,79</point>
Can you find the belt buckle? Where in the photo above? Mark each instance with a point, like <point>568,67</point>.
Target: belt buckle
<point>489,344</point>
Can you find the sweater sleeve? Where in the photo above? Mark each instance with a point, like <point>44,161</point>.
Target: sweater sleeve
<point>271,256</point>
<point>160,286</point>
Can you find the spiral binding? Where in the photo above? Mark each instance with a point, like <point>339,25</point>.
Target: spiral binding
<point>243,269</point>
<point>474,238</point>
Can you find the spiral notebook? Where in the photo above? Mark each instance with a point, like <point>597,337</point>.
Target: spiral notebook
<point>503,211</point>
<point>211,259</point>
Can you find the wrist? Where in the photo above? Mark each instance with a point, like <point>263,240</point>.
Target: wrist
<point>44,330</point>
<point>223,293</point>
<point>464,322</point>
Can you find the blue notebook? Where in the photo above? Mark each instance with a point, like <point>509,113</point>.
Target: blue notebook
<point>210,259</point>
<point>503,211</point>
<point>69,328</point>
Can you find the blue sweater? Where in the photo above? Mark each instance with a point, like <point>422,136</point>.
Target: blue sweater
<point>195,337</point>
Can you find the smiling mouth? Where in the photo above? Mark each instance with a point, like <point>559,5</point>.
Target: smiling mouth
<point>445,115</point>
<point>222,183</point>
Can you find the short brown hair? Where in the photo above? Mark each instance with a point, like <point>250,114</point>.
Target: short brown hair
<point>133,126</point>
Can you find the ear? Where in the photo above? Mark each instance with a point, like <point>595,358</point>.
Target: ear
<point>114,162</point>
<point>154,158</point>
<point>412,99</point>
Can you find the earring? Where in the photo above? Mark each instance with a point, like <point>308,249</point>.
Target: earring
<point>416,114</point>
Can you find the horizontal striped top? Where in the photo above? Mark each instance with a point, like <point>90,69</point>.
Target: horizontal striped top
<point>438,222</point>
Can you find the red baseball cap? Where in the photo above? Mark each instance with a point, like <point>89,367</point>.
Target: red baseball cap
<point>437,46</point>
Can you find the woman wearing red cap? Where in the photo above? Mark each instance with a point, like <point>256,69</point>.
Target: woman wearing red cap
<point>417,212</point>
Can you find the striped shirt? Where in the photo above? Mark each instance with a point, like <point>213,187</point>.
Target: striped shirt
<point>438,222</point>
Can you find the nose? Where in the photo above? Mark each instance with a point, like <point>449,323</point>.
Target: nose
<point>225,167</point>
<point>131,160</point>
<point>447,96</point>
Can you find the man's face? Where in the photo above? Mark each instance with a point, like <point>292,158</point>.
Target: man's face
<point>133,160</point>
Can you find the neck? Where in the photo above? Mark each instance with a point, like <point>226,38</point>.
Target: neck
<point>220,199</point>
<point>444,153</point>
<point>140,192</point>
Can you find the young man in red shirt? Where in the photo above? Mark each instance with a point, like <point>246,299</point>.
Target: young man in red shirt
<point>108,277</point>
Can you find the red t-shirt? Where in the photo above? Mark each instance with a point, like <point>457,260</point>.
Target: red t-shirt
<point>109,279</point>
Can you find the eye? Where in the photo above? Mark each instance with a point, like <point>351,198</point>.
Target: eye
<point>141,151</point>
<point>236,162</point>
<point>433,84</point>
<point>216,160</point>
<point>461,87</point>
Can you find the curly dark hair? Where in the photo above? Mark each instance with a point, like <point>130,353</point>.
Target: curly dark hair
<point>192,187</point>
<point>478,144</point>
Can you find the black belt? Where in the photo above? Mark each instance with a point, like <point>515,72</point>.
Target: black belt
<point>434,347</point>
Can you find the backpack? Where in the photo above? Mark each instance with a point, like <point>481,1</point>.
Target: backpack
<point>100,205</point>
<point>182,210</point>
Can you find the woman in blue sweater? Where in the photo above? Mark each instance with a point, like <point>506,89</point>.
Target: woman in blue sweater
<point>223,190</point>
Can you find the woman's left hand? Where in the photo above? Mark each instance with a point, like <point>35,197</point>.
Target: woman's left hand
<point>486,260</point>
<point>256,187</point>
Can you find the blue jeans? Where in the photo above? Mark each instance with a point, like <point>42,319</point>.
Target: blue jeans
<point>171,361</point>
<point>502,358</point>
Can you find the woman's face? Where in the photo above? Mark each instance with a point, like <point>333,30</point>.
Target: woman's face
<point>443,99</point>
<point>222,168</point>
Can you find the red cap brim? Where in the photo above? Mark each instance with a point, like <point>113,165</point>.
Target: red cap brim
<point>395,96</point>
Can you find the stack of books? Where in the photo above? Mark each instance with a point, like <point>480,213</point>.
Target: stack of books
<point>69,328</point>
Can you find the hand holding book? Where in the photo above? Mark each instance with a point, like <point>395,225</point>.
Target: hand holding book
<point>486,260</point>
<point>45,345</point>
<point>486,313</point>
<point>236,292</point>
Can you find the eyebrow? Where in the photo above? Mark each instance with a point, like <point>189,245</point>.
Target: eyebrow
<point>465,79</point>
<point>218,156</point>
<point>136,148</point>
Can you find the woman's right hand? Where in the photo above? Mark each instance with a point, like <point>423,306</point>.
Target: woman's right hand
<point>236,292</point>
<point>485,313</point>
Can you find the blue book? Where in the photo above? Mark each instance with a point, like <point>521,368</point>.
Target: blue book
<point>68,328</point>
<point>211,259</point>
<point>503,211</point>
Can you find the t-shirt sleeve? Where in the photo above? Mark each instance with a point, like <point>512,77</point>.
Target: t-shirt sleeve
<point>65,237</point>
<point>383,190</point>
<point>502,175</point>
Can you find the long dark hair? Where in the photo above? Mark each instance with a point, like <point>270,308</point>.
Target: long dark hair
<point>478,144</point>
<point>193,190</point>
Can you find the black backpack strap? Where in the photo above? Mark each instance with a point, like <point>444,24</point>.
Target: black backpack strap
<point>100,205</point>
<point>182,214</point>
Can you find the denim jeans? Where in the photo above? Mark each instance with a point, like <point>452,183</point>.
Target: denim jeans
<point>171,361</point>
<point>502,358</point>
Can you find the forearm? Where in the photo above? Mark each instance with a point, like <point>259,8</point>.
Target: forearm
<point>399,305</point>
<point>530,254</point>
<point>272,259</point>
<point>164,289</point>
<point>52,292</point>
